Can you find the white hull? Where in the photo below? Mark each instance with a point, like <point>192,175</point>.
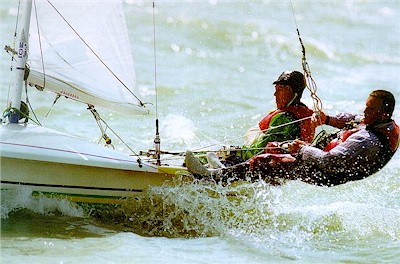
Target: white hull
<point>55,163</point>
<point>93,67</point>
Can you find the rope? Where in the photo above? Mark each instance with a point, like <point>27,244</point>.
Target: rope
<point>205,149</point>
<point>264,130</point>
<point>286,124</point>
<point>10,109</point>
<point>311,85</point>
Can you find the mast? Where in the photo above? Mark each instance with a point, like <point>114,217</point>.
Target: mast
<point>22,53</point>
<point>157,140</point>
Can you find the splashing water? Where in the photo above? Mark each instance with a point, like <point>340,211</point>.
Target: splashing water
<point>295,211</point>
<point>23,198</point>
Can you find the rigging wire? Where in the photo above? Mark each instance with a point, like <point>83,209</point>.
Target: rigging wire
<point>27,68</point>
<point>58,96</point>
<point>95,54</point>
<point>29,104</point>
<point>40,45</point>
<point>99,119</point>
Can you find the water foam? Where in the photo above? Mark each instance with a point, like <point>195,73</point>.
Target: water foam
<point>22,198</point>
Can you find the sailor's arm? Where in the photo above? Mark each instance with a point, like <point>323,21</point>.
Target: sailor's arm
<point>339,120</point>
<point>356,153</point>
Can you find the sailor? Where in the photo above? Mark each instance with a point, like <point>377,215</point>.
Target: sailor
<point>363,152</point>
<point>288,93</point>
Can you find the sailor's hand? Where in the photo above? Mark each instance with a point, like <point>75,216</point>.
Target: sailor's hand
<point>318,117</point>
<point>273,148</point>
<point>256,161</point>
<point>295,145</point>
<point>266,160</point>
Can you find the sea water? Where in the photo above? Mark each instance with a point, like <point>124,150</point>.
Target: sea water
<point>216,61</point>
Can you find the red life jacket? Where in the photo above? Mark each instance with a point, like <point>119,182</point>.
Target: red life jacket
<point>390,132</point>
<point>345,135</point>
<point>307,128</point>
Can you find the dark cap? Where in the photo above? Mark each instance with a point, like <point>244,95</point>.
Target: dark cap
<point>294,79</point>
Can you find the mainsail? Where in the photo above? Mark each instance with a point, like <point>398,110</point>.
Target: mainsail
<point>80,49</point>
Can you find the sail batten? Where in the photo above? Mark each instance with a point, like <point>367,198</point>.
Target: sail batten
<point>86,53</point>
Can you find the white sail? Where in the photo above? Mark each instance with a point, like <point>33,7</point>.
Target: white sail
<point>80,49</point>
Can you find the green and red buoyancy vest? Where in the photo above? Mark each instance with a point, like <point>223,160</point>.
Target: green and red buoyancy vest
<point>307,128</point>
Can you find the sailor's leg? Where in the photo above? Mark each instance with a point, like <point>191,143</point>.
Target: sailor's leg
<point>224,175</point>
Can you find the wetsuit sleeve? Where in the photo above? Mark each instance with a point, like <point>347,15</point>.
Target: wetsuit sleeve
<point>340,120</point>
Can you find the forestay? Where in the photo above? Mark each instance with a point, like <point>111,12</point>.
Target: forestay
<point>100,72</point>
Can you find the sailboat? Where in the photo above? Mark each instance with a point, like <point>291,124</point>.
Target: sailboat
<point>62,49</point>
